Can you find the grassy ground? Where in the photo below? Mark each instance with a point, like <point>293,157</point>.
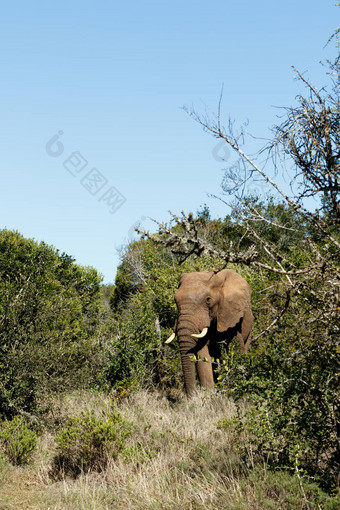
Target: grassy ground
<point>176,458</point>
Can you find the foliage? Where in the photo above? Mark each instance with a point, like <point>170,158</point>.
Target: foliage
<point>49,311</point>
<point>293,408</point>
<point>286,491</point>
<point>86,443</point>
<point>291,382</point>
<point>17,440</point>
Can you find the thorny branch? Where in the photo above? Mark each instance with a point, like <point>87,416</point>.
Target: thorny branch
<point>190,243</point>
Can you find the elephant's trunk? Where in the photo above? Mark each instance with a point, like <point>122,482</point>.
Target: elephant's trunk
<point>187,347</point>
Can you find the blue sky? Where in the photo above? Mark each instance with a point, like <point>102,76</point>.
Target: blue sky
<point>112,78</point>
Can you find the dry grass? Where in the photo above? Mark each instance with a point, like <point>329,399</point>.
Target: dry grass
<point>176,458</point>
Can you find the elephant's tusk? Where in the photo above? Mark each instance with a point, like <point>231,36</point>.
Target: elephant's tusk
<point>201,334</point>
<point>170,339</point>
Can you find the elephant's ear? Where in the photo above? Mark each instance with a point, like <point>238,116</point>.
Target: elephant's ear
<point>234,301</point>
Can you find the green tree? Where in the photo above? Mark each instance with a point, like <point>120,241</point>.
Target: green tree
<point>49,310</point>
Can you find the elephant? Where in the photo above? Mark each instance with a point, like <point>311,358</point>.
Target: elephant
<point>213,308</point>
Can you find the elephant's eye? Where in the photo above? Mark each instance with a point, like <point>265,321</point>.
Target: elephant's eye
<point>209,300</point>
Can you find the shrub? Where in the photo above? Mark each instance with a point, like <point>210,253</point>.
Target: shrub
<point>293,407</point>
<point>285,491</point>
<point>17,440</point>
<point>49,311</point>
<point>86,443</point>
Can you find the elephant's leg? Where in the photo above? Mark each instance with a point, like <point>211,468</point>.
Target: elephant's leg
<point>243,346</point>
<point>247,343</point>
<point>204,368</point>
<point>245,335</point>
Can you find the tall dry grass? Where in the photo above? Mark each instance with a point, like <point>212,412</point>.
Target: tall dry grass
<point>176,458</point>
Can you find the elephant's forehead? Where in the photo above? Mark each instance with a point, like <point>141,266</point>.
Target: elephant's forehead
<point>193,290</point>
<point>187,296</point>
<point>199,278</point>
<point>193,286</point>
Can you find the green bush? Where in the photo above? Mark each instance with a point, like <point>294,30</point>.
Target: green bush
<point>285,491</point>
<point>49,310</point>
<point>86,443</point>
<point>17,440</point>
<point>292,406</point>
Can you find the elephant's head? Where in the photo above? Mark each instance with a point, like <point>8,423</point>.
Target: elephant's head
<point>212,307</point>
